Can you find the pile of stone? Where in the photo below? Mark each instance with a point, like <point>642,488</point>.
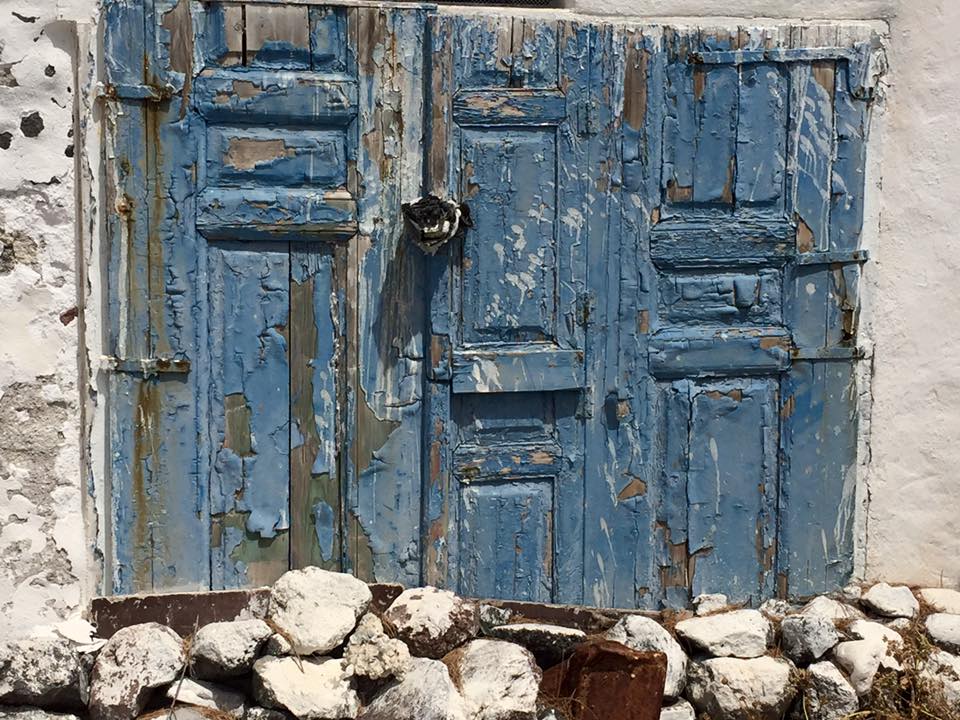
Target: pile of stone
<point>320,652</point>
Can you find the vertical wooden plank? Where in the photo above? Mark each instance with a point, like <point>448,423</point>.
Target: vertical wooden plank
<point>250,405</point>
<point>328,38</point>
<point>571,236</point>
<point>439,502</point>
<point>731,489</point>
<point>680,124</point>
<point>674,448</point>
<point>535,54</point>
<point>483,54</point>
<point>169,412</point>
<point>221,44</point>
<point>384,498</point>
<point>761,134</point>
<point>612,532</point>
<point>715,91</point>
<point>277,36</point>
<point>817,506</point>
<point>811,148</point>
<point>316,391</point>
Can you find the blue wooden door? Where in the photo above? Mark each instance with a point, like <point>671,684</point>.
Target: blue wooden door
<point>631,381</point>
<point>507,366</point>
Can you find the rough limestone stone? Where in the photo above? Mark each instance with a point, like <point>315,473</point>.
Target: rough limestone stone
<point>426,692</point>
<point>708,603</point>
<point>891,601</point>
<point>182,712</point>
<point>942,600</point>
<point>548,642</point>
<point>42,672</point>
<point>827,695</point>
<point>227,649</point>
<point>492,616</point>
<point>807,638</point>
<point>316,609</point>
<point>432,622</point>
<point>741,689</point>
<point>776,609</point>
<point>890,640</point>
<point>860,659</point>
<point>942,670</point>
<point>741,633</point>
<point>277,645</point>
<point>680,710</point>
<point>824,606</point>
<point>261,713</point>
<point>371,654</point>
<point>310,688</point>
<point>851,593</point>
<point>498,680</point>
<point>944,630</point>
<point>207,695</point>
<point>646,635</point>
<point>134,661</point>
<point>32,713</point>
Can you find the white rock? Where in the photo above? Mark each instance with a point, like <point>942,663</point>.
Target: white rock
<point>646,635</point>
<point>208,695</point>
<point>870,630</point>
<point>807,637</point>
<point>227,649</point>
<point>372,654</point>
<point>680,710</point>
<point>32,713</point>
<point>498,680</point>
<point>889,639</point>
<point>851,593</point>
<point>426,692</point>
<point>776,609</point>
<point>942,600</point>
<point>42,672</point>
<point>824,606</point>
<point>261,713</point>
<point>310,688</point>
<point>492,616</point>
<point>316,609</point>
<point>942,670</point>
<point>738,689</point>
<point>741,633</point>
<point>432,622</point>
<point>861,660</point>
<point>277,645</point>
<point>708,603</point>
<point>944,630</point>
<point>134,661</point>
<point>827,695</point>
<point>891,601</point>
<point>900,624</point>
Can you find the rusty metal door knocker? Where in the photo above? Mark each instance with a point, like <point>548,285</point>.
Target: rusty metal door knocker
<point>433,222</point>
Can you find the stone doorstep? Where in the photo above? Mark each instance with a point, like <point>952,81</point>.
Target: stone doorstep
<point>184,612</point>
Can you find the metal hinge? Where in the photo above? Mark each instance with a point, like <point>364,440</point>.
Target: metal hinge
<point>147,366</point>
<point>834,257</point>
<point>150,93</point>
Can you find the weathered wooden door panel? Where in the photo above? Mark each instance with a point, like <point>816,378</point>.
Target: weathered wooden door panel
<point>506,477</point>
<point>745,310</point>
<point>631,381</point>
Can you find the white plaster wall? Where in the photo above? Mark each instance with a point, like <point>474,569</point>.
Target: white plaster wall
<point>43,546</point>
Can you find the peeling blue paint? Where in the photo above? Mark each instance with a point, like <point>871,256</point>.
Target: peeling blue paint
<point>631,381</point>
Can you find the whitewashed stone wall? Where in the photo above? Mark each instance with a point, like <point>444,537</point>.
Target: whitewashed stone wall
<point>43,548</point>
